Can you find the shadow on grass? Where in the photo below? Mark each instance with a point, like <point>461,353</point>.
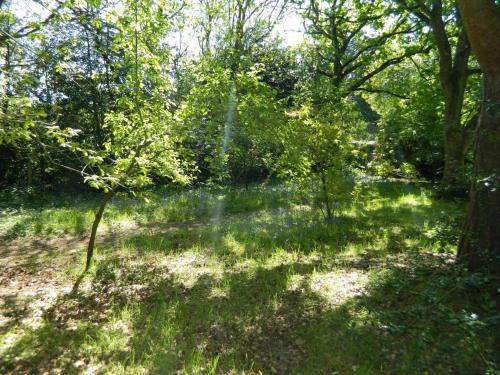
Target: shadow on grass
<point>418,313</point>
<point>15,309</point>
<point>412,319</point>
<point>74,216</point>
<point>381,231</point>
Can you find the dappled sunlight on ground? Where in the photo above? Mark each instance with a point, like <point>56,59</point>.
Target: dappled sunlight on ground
<point>273,288</point>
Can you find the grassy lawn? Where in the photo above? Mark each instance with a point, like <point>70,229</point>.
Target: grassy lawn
<point>243,282</point>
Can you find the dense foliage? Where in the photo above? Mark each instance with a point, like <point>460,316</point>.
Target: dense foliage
<point>77,65</point>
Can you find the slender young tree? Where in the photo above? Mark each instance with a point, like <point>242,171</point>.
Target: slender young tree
<point>140,137</point>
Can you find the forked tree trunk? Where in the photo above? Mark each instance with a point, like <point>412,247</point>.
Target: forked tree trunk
<point>95,225</point>
<point>453,79</point>
<point>480,243</point>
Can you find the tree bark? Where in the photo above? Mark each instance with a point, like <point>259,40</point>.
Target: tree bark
<point>479,246</point>
<point>480,243</point>
<point>102,206</point>
<point>453,78</point>
<point>95,225</point>
<point>326,198</point>
<point>455,140</point>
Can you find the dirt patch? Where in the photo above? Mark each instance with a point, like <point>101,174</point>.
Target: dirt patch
<point>25,295</point>
<point>339,286</point>
<point>28,268</point>
<point>28,282</point>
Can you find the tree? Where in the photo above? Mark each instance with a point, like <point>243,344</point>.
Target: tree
<point>23,120</point>
<point>218,120</point>
<point>408,130</point>
<point>317,145</point>
<point>140,137</point>
<point>453,51</point>
<point>279,68</point>
<point>225,133</point>
<point>411,110</point>
<point>480,243</point>
<point>353,42</point>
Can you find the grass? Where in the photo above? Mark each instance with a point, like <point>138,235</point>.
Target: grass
<point>269,288</point>
<point>51,215</point>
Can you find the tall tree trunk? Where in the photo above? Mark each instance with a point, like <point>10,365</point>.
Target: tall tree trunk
<point>455,138</point>
<point>95,225</point>
<point>453,76</point>
<point>453,79</point>
<point>480,243</point>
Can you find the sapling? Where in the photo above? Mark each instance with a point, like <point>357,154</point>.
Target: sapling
<point>317,146</point>
<point>140,131</point>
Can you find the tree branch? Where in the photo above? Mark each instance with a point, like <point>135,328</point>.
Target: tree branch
<point>383,66</point>
<point>382,91</point>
